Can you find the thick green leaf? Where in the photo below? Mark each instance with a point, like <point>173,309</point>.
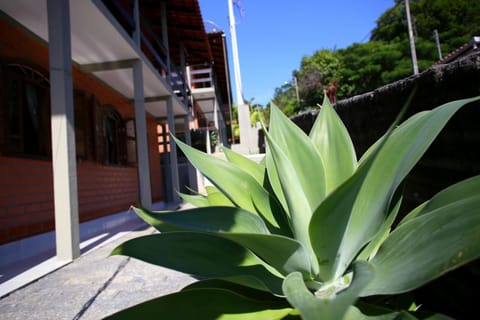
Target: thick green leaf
<point>286,255</point>
<point>331,138</point>
<point>371,249</point>
<point>333,306</point>
<point>256,170</point>
<point>298,205</point>
<point>426,247</point>
<point>330,221</point>
<point>457,192</point>
<point>217,198</point>
<point>403,148</point>
<point>207,304</point>
<point>240,187</point>
<point>281,213</point>
<point>354,313</point>
<point>276,185</point>
<point>392,160</point>
<point>202,255</point>
<point>198,200</point>
<point>235,287</point>
<point>302,156</point>
<point>209,219</point>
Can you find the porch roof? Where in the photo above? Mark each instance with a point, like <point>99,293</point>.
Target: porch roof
<point>101,46</point>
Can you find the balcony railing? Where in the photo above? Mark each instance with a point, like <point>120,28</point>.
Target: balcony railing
<point>201,77</point>
<point>151,45</point>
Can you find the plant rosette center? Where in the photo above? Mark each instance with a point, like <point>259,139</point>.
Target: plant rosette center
<point>328,290</point>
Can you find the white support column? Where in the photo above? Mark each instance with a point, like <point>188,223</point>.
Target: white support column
<point>216,122</point>
<point>192,178</point>
<point>143,163</point>
<point>163,18</point>
<point>63,132</point>
<point>207,140</point>
<point>173,151</point>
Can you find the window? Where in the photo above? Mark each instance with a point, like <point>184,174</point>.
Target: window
<point>81,124</point>
<point>25,112</point>
<point>131,142</point>
<point>111,140</point>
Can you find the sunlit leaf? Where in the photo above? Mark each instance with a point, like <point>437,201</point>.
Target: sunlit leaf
<point>330,221</point>
<point>302,156</point>
<point>204,255</point>
<point>331,138</point>
<point>205,304</point>
<point>426,247</point>
<point>284,254</point>
<point>371,249</point>
<point>217,198</point>
<point>457,192</point>
<point>197,200</point>
<point>209,219</point>
<point>354,313</point>
<point>240,187</point>
<point>403,148</point>
<point>235,287</point>
<point>275,183</point>
<point>298,205</point>
<point>334,306</point>
<point>253,168</point>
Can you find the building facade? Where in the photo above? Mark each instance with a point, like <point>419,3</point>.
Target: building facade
<point>90,92</point>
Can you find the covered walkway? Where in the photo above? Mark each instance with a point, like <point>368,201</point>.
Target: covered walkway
<point>92,286</point>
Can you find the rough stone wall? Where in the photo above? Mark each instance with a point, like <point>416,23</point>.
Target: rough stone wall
<point>455,153</point>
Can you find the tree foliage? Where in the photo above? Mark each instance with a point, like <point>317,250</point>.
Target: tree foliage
<point>362,67</point>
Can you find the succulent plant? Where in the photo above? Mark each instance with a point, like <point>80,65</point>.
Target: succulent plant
<point>309,231</point>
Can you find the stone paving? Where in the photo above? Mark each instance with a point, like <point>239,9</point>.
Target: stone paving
<point>93,286</point>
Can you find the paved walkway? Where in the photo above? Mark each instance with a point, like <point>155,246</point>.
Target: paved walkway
<point>93,286</point>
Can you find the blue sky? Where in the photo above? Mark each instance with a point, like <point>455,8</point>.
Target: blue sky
<point>273,36</point>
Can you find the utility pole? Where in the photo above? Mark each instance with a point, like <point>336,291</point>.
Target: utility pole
<point>247,143</point>
<point>437,41</point>
<point>411,37</point>
<point>296,91</point>
<point>236,63</point>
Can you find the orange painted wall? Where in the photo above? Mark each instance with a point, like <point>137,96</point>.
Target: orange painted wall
<point>26,186</point>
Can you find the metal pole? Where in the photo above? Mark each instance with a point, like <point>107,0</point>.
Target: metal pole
<point>437,41</point>
<point>236,63</point>
<point>243,109</point>
<point>411,37</point>
<point>296,91</point>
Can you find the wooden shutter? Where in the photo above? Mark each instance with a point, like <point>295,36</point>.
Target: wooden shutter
<point>98,131</point>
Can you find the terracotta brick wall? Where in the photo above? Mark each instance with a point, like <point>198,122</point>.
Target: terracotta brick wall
<point>26,186</point>
<point>26,198</point>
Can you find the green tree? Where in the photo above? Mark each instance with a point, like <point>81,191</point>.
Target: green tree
<point>285,98</point>
<point>369,65</point>
<point>362,67</point>
<point>315,74</point>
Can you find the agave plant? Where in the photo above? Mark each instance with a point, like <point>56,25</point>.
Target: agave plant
<point>308,232</point>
